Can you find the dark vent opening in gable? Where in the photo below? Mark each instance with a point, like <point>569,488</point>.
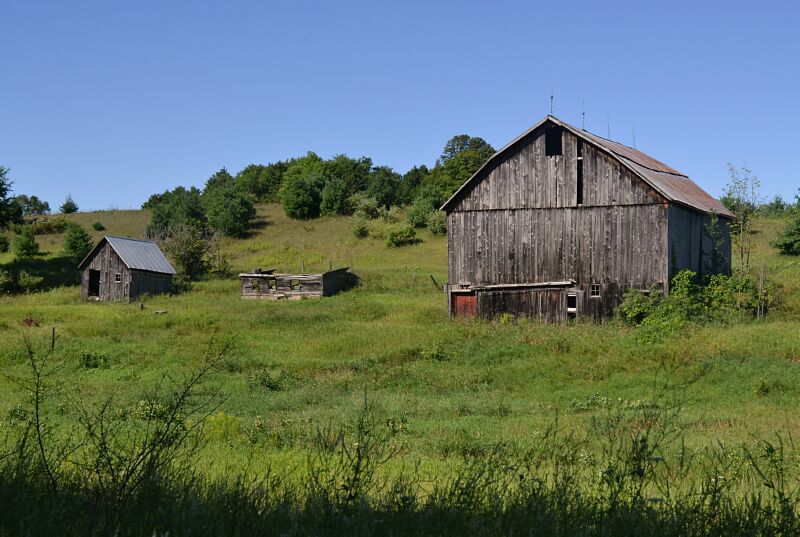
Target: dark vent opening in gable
<point>579,186</point>
<point>552,141</point>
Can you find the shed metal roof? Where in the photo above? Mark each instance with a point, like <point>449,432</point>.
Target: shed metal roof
<point>136,254</point>
<point>669,182</point>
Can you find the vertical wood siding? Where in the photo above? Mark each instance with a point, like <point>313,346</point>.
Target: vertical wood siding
<point>134,282</point>
<point>149,283</point>
<point>528,178</point>
<point>521,224</point>
<point>690,246</point>
<point>109,264</point>
<point>614,244</point>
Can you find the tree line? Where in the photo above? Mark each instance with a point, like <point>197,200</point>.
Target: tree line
<point>310,186</point>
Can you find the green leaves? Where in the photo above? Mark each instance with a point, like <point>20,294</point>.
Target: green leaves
<point>229,209</point>
<point>69,206</point>
<point>788,241</point>
<point>77,242</point>
<point>25,245</point>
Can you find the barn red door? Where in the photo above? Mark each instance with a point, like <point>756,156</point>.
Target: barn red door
<point>465,304</point>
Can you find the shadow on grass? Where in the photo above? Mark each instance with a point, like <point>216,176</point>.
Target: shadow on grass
<point>256,225</point>
<point>55,271</point>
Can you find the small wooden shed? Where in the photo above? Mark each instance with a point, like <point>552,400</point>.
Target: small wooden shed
<point>268,284</point>
<point>119,268</point>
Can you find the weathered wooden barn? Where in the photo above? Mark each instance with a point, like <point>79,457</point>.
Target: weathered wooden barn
<point>123,269</point>
<point>561,222</point>
<point>268,284</point>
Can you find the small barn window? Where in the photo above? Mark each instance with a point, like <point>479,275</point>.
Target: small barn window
<point>594,290</point>
<point>295,285</point>
<point>272,284</point>
<point>572,305</point>
<point>117,277</point>
<point>552,141</point>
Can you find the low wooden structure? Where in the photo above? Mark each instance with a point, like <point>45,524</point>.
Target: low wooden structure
<point>121,269</point>
<point>268,284</point>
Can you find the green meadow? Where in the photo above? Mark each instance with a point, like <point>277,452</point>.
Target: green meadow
<point>447,388</point>
<point>372,412</point>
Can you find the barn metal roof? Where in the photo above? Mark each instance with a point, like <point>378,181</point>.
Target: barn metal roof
<point>669,182</point>
<point>136,254</point>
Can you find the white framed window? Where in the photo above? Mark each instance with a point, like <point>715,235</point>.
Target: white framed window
<point>117,277</point>
<point>594,290</point>
<point>572,303</point>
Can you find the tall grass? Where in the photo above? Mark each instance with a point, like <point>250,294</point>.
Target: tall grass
<point>629,473</point>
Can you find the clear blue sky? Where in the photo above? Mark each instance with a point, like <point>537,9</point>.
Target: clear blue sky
<point>113,101</point>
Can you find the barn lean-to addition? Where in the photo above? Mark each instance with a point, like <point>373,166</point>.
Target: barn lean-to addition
<point>561,222</point>
<point>121,269</point>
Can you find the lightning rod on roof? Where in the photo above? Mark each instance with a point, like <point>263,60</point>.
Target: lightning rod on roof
<point>583,115</point>
<point>634,135</point>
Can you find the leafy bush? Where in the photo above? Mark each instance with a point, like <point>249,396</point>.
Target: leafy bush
<point>335,198</point>
<point>401,236</point>
<point>173,209</point>
<point>360,228</point>
<point>228,209</point>
<point>637,306</point>
<point>437,223</point>
<point>7,281</point>
<point>29,282</point>
<point>98,226</point>
<point>69,206</point>
<point>720,298</point>
<point>429,198</point>
<point>420,210</point>
<point>44,225</point>
<point>25,245</point>
<point>93,360</point>
<point>302,196</point>
<point>788,241</point>
<point>188,248</point>
<point>365,207</point>
<point>4,244</point>
<point>77,242</point>
<point>392,215</point>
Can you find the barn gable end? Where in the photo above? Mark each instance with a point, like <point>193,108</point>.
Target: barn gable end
<point>525,177</point>
<point>560,223</point>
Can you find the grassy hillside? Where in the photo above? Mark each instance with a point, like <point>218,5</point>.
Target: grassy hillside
<point>445,388</point>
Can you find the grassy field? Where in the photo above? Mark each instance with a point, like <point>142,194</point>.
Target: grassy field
<point>446,388</point>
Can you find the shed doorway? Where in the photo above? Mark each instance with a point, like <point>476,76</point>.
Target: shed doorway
<point>94,282</point>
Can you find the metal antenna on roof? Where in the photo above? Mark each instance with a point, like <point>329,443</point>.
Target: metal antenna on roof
<point>583,115</point>
<point>551,101</point>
